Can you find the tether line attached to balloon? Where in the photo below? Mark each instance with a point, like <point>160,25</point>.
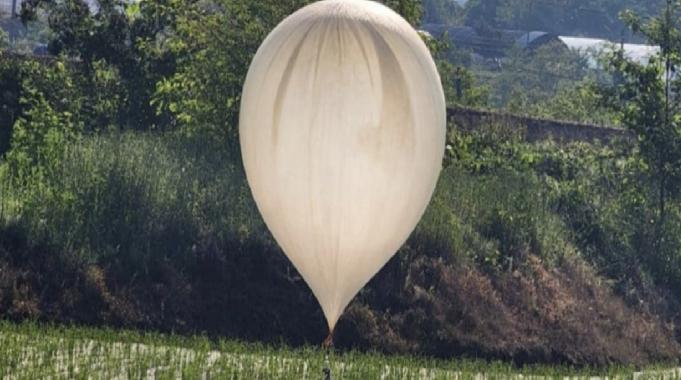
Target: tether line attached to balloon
<point>327,346</point>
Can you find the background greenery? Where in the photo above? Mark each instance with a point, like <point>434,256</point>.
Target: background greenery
<point>592,18</point>
<point>123,200</point>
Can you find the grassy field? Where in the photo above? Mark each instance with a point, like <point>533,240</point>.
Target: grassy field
<point>31,351</point>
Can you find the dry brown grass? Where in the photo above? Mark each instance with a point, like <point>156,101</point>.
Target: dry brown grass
<point>561,313</point>
<point>538,313</point>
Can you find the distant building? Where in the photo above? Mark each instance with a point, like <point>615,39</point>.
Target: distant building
<point>592,47</point>
<point>535,39</point>
<point>492,43</point>
<point>495,43</point>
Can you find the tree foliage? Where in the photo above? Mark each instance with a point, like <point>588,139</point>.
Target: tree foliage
<point>594,18</point>
<point>582,102</point>
<point>447,12</point>
<point>459,84</point>
<point>531,77</point>
<point>4,40</point>
<point>651,99</point>
<point>129,37</point>
<point>215,46</point>
<point>411,10</point>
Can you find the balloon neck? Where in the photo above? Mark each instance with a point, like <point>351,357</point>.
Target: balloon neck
<point>328,342</point>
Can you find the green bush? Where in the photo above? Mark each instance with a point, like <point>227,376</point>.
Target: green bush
<point>547,199</point>
<point>10,89</point>
<point>42,96</point>
<point>148,229</point>
<point>134,196</point>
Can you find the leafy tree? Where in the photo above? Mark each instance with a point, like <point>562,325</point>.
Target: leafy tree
<point>530,77</point>
<point>214,47</point>
<point>32,89</point>
<point>128,36</point>
<point>583,102</point>
<point>411,10</point>
<point>52,106</point>
<point>178,62</point>
<point>595,18</point>
<point>447,12</point>
<point>652,103</point>
<point>4,40</point>
<point>482,15</point>
<point>10,89</point>
<point>459,83</point>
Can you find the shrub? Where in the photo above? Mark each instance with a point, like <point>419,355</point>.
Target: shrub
<point>136,195</point>
<point>160,231</point>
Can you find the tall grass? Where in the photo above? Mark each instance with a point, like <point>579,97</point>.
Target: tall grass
<point>136,195</point>
<point>156,231</point>
<point>493,219</point>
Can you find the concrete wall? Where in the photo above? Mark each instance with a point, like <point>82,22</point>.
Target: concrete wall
<point>533,129</point>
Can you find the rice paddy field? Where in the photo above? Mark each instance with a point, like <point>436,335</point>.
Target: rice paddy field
<point>32,351</point>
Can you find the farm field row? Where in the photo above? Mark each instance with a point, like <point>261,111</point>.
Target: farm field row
<point>30,351</point>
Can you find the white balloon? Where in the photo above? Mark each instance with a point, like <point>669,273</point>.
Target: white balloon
<point>342,134</point>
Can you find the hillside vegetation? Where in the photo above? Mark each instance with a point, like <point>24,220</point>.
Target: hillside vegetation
<point>594,18</point>
<point>135,230</point>
<point>123,203</point>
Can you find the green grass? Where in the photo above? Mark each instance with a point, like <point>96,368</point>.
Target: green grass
<point>30,350</point>
<point>135,212</point>
<point>133,195</point>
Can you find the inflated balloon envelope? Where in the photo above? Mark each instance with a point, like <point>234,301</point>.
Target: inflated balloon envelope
<point>342,133</point>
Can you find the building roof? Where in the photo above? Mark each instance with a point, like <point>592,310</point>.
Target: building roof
<point>592,47</point>
<point>495,43</point>
<point>535,39</point>
<point>492,43</point>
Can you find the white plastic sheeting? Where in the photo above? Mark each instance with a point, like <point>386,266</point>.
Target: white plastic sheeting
<point>592,47</point>
<point>342,133</point>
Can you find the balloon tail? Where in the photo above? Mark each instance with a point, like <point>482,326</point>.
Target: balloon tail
<point>328,342</point>
<point>327,345</point>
